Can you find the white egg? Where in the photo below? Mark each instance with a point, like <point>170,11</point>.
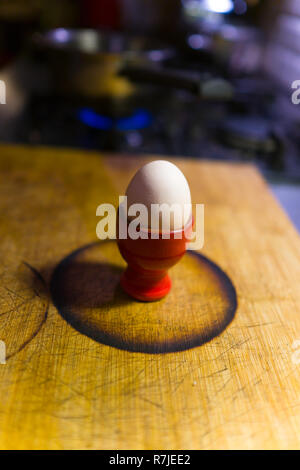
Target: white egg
<point>161,182</point>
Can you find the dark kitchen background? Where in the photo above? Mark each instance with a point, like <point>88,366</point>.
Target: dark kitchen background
<point>198,78</point>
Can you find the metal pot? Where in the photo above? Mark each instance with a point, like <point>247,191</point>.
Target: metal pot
<point>93,64</point>
<point>87,62</point>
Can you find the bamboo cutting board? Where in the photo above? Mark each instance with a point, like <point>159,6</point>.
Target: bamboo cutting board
<point>215,365</point>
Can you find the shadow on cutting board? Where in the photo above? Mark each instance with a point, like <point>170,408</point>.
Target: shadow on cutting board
<point>85,289</point>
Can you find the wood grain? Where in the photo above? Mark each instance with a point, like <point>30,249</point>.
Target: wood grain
<point>62,389</point>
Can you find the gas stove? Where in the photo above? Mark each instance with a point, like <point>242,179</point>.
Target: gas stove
<point>250,127</point>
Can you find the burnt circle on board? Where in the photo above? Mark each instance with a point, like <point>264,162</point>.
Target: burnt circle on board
<point>85,289</point>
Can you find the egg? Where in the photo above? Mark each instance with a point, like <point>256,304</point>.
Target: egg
<point>161,182</point>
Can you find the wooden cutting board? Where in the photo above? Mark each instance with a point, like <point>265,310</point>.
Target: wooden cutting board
<point>88,368</point>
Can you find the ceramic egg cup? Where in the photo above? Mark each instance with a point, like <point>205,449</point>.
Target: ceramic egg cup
<point>146,277</point>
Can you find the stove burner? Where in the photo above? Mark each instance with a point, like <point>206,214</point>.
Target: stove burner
<point>140,119</point>
<point>95,120</point>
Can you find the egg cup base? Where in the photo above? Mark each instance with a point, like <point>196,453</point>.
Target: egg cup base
<point>142,288</point>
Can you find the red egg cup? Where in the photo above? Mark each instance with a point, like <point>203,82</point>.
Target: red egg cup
<point>146,277</point>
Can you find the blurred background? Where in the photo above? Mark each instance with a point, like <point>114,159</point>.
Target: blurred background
<point>198,78</point>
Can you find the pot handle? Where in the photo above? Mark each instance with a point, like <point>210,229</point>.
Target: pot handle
<point>211,88</point>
